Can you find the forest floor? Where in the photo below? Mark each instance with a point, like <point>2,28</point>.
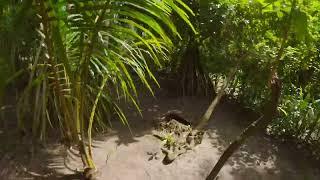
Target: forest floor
<point>120,155</point>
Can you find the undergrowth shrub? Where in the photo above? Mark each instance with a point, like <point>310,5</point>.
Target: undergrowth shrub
<point>299,118</point>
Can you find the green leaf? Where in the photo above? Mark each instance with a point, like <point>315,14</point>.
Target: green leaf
<point>300,24</point>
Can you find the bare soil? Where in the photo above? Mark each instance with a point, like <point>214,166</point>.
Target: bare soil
<point>120,155</point>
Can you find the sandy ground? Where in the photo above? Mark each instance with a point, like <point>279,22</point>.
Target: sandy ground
<point>121,156</point>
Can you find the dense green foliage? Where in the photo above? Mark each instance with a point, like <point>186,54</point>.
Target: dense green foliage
<point>230,30</point>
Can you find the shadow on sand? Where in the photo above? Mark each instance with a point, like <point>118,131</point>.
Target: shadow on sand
<point>260,158</point>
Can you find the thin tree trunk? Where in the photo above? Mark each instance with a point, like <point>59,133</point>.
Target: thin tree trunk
<point>232,148</point>
<point>261,123</point>
<point>206,117</point>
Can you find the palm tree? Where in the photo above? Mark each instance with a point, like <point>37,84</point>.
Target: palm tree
<point>81,57</point>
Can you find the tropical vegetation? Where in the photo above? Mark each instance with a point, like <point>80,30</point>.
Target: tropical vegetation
<point>69,64</point>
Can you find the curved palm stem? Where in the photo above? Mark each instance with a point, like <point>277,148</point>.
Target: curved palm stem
<point>103,83</point>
